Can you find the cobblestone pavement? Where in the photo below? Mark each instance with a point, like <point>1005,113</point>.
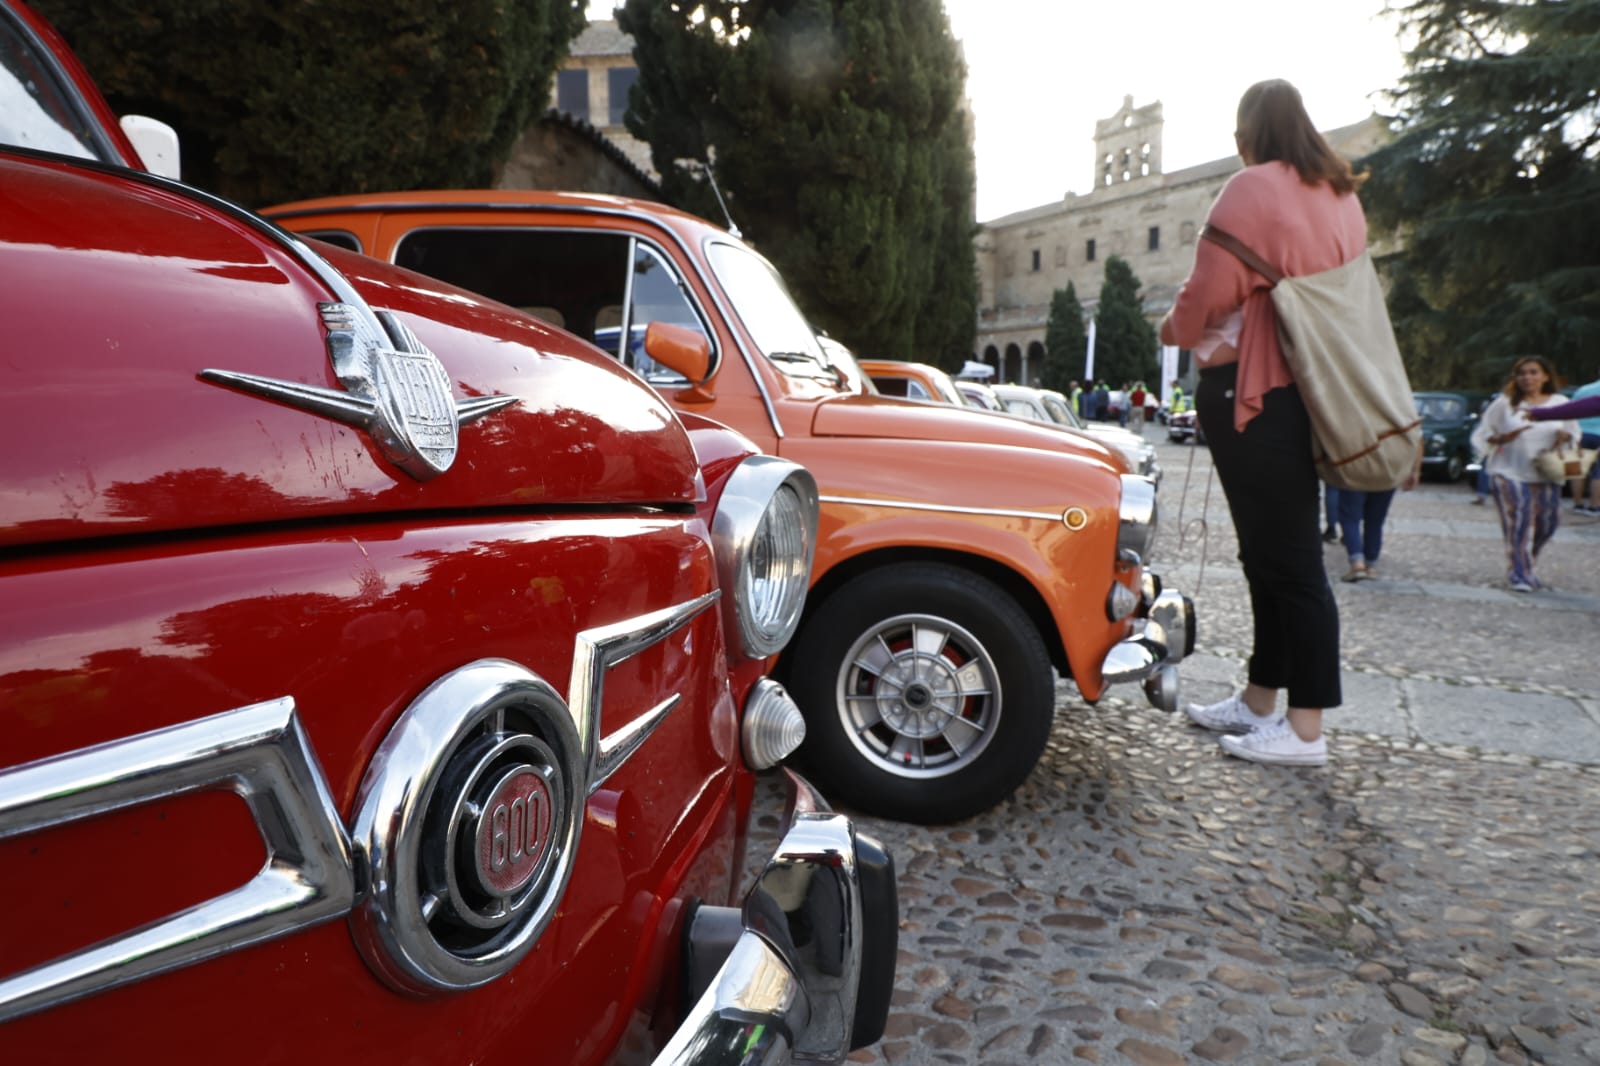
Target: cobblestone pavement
<point>1431,896</point>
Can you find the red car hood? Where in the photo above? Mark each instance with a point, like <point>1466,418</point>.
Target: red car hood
<point>107,425</point>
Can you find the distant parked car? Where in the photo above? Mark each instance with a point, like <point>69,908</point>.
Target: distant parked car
<point>1447,421</point>
<point>913,381</point>
<point>1185,426</point>
<point>980,395</point>
<point>1047,405</point>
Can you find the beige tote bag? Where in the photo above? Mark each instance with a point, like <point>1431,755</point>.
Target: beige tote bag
<point>1336,337</point>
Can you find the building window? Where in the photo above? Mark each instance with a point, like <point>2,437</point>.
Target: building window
<point>1088,250</point>
<point>1061,255</point>
<point>1155,238</point>
<point>1036,260</point>
<point>619,81</point>
<point>572,93</point>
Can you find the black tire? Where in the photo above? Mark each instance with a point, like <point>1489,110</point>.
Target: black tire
<point>927,691</point>
<point>1454,468</point>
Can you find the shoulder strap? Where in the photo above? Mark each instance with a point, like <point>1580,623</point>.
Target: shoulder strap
<point>1242,250</point>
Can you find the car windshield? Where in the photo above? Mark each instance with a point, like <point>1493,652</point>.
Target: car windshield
<point>38,109</point>
<point>764,306</point>
<point>1061,411</point>
<point>1441,408</point>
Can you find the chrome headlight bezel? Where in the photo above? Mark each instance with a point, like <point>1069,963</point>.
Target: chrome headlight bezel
<point>763,560</point>
<point>1136,515</point>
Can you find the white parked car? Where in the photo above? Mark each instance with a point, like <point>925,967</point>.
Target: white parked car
<point>1047,405</point>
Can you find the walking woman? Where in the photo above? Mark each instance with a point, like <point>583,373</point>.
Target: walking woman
<point>1530,507</point>
<point>1295,205</point>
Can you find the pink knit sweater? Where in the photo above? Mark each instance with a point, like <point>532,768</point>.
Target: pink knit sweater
<point>1298,228</point>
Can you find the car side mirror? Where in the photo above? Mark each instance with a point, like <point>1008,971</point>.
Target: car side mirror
<point>686,351</point>
<point>156,142</point>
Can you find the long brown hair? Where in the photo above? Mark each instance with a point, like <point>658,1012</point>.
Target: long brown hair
<point>1273,126</point>
<point>1514,394</point>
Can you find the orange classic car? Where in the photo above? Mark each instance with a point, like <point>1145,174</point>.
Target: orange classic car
<point>381,669</point>
<point>963,559</point>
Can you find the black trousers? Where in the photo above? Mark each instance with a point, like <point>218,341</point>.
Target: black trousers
<point>1275,499</point>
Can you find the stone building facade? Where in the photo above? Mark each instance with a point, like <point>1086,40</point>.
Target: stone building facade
<point>592,85</point>
<point>1133,209</point>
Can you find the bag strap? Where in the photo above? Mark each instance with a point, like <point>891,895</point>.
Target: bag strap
<point>1242,250</point>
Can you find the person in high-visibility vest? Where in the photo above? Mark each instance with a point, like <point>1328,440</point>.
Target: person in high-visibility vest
<point>1073,392</point>
<point>1179,402</point>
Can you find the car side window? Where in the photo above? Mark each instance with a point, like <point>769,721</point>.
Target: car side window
<point>37,110</point>
<point>658,295</point>
<point>338,237</point>
<point>579,280</point>
<point>576,280</point>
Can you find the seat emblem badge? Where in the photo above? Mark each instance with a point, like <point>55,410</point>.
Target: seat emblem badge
<point>394,389</point>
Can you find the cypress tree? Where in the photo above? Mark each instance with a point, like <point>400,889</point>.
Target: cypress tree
<point>1065,340</point>
<point>278,101</point>
<point>1125,341</point>
<point>837,136</point>
<point>1492,184</point>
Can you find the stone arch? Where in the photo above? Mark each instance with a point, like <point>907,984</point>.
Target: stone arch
<point>1011,368</point>
<point>1034,365</point>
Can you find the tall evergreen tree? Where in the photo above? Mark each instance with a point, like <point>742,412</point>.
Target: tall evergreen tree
<point>1065,340</point>
<point>277,101</point>
<point>1125,342</point>
<point>837,136</point>
<point>1493,185</point>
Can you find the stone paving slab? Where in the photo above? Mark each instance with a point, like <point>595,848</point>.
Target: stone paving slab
<point>1531,723</point>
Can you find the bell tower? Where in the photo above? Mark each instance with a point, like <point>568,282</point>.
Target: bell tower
<point>1127,146</point>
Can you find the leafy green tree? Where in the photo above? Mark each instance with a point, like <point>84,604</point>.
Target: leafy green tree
<point>1492,185</point>
<point>1125,342</point>
<point>1065,340</point>
<point>837,136</point>
<point>277,101</point>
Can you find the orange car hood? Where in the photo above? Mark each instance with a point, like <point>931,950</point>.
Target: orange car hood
<point>879,416</point>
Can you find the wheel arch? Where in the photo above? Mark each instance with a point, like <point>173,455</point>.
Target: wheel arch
<point>1018,587</point>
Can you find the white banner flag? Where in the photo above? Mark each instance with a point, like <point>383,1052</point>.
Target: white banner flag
<point>1169,372</point>
<point>1088,358</point>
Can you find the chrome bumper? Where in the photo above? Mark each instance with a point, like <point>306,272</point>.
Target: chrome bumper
<point>1152,656</point>
<point>805,968</point>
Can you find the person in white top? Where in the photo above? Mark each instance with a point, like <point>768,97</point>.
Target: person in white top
<point>1530,507</point>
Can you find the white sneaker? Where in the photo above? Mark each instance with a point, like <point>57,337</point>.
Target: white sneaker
<point>1521,586</point>
<point>1278,745</point>
<point>1230,716</point>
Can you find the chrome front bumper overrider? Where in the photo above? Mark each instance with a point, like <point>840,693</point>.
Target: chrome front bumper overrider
<point>1152,656</point>
<point>803,971</point>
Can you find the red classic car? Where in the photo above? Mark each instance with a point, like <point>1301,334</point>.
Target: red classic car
<point>381,664</point>
<point>964,559</point>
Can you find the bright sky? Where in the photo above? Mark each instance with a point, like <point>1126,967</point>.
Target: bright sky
<point>1041,72</point>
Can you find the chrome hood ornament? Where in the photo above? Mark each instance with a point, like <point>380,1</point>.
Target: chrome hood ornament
<point>395,389</point>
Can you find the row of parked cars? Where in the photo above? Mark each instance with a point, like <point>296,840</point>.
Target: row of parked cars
<point>930,384</point>
<point>400,595</point>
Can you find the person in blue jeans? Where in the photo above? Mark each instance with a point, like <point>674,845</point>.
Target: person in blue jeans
<point>1330,498</point>
<point>1361,516</point>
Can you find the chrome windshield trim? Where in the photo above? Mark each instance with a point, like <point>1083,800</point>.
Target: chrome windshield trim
<point>728,316</point>
<point>907,505</point>
<point>260,752</point>
<point>598,650</point>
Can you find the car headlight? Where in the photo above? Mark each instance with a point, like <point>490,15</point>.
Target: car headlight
<point>1136,515</point>
<point>765,536</point>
